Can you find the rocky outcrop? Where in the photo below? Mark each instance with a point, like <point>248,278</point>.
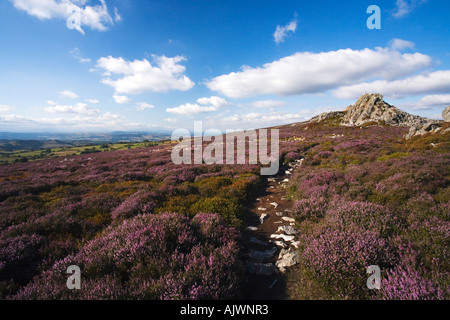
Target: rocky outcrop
<point>371,108</point>
<point>429,127</point>
<point>446,114</point>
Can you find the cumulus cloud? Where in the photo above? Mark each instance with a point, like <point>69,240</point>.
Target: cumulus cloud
<point>203,105</point>
<point>437,82</point>
<point>405,7</point>
<point>138,76</point>
<point>399,44</point>
<point>68,94</point>
<point>93,101</point>
<point>307,72</point>
<point>143,106</point>
<point>430,101</point>
<point>95,17</point>
<point>79,108</point>
<point>261,120</point>
<point>5,108</point>
<point>282,32</point>
<point>121,99</point>
<point>268,104</point>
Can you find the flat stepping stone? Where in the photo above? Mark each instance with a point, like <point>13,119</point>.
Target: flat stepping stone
<point>257,241</point>
<point>289,230</point>
<point>265,269</point>
<point>287,219</point>
<point>282,236</point>
<point>280,244</point>
<point>280,214</point>
<point>262,255</point>
<point>287,258</point>
<point>262,209</point>
<point>274,204</point>
<point>251,228</point>
<point>296,244</point>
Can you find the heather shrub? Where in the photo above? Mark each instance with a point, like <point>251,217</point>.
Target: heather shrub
<point>19,257</point>
<point>150,257</point>
<point>407,284</point>
<point>230,210</point>
<point>139,203</point>
<point>338,259</point>
<point>209,187</point>
<point>365,215</point>
<point>292,156</point>
<point>311,208</point>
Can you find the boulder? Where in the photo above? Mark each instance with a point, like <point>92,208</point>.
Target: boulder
<point>446,114</point>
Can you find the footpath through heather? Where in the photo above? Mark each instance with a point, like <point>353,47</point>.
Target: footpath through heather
<point>270,239</point>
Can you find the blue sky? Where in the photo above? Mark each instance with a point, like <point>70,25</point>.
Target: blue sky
<point>105,65</point>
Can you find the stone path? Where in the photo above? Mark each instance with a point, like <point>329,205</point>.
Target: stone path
<point>270,239</point>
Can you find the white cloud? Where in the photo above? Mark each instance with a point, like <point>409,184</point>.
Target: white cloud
<point>143,106</point>
<point>430,102</point>
<point>281,33</point>
<point>399,44</point>
<point>75,53</point>
<point>260,120</point>
<point>95,17</point>
<point>268,104</point>
<point>104,121</point>
<point>170,120</point>
<point>121,99</point>
<point>306,72</point>
<point>405,7</point>
<point>93,101</point>
<point>68,94</point>
<point>79,108</point>
<point>117,16</point>
<point>5,108</point>
<point>140,75</point>
<point>203,105</point>
<point>434,82</point>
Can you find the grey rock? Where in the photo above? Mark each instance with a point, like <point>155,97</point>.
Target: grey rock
<point>289,230</point>
<point>265,269</point>
<point>262,255</point>
<point>446,114</point>
<point>262,217</point>
<point>250,228</point>
<point>288,258</point>
<point>287,219</point>
<point>282,236</point>
<point>280,244</point>
<point>257,241</point>
<point>274,204</point>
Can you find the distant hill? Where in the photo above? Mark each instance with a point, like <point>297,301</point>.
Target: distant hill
<point>116,136</point>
